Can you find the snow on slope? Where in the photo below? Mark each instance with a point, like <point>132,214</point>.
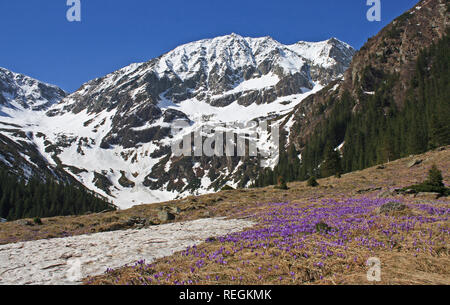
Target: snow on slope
<point>68,260</point>
<point>234,112</point>
<point>321,53</point>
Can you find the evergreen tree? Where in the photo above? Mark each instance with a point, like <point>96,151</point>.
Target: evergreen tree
<point>435,177</point>
<point>332,163</point>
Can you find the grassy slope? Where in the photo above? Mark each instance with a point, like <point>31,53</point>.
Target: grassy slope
<point>401,264</point>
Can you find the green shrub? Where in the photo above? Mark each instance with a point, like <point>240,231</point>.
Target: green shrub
<point>37,220</point>
<point>281,184</point>
<point>322,227</point>
<point>435,177</point>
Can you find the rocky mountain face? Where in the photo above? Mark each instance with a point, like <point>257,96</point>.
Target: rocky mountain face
<point>114,135</point>
<point>394,50</point>
<point>23,92</point>
<point>22,97</point>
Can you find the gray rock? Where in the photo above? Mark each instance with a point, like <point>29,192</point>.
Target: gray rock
<point>414,163</point>
<point>134,221</point>
<point>165,216</point>
<point>206,214</point>
<point>391,207</point>
<point>409,191</point>
<point>152,222</point>
<point>139,226</point>
<point>386,194</point>
<point>3,220</point>
<point>368,190</point>
<point>24,222</point>
<point>174,210</point>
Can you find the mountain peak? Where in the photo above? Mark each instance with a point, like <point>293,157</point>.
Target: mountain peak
<point>21,91</point>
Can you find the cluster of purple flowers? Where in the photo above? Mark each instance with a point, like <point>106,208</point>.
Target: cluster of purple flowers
<point>288,231</point>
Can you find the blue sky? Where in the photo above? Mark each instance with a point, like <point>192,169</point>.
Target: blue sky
<point>37,39</point>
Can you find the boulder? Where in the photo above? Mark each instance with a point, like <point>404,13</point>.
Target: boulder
<point>164,216</point>
<point>391,207</point>
<point>386,194</point>
<point>24,222</point>
<point>206,214</point>
<point>409,191</point>
<point>152,222</point>
<point>414,163</point>
<point>173,209</point>
<point>139,226</point>
<point>368,190</point>
<point>133,221</point>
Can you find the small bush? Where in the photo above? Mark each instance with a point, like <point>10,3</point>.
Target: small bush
<point>281,184</point>
<point>312,182</point>
<point>37,221</point>
<point>322,227</point>
<point>435,177</point>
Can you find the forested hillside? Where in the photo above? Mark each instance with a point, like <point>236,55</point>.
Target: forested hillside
<point>382,129</point>
<point>21,199</point>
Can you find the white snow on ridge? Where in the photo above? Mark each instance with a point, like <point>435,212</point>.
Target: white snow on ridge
<point>234,112</point>
<point>235,51</point>
<point>319,52</point>
<point>26,89</point>
<point>265,81</point>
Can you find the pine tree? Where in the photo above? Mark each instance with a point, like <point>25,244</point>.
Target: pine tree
<point>332,163</point>
<point>435,177</point>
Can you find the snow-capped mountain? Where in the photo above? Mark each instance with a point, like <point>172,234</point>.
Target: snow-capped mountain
<point>23,100</point>
<point>114,134</point>
<point>23,92</point>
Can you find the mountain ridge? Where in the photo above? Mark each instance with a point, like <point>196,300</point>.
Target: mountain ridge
<point>113,135</point>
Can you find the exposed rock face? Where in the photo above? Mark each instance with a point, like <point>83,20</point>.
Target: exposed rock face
<point>394,49</point>
<point>17,90</point>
